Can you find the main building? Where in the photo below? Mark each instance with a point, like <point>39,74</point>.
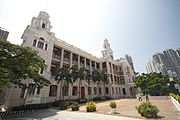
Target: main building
<point>58,54</point>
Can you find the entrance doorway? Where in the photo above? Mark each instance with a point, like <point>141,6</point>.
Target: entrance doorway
<point>82,93</point>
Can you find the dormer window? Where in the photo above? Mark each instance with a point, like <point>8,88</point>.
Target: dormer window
<point>43,25</point>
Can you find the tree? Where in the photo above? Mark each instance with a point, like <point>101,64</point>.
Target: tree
<point>88,78</point>
<point>97,77</point>
<point>17,64</point>
<point>104,79</point>
<point>64,77</point>
<point>82,76</point>
<point>155,84</point>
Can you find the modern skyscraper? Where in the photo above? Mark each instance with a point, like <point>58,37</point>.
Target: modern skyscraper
<point>3,33</point>
<point>167,62</point>
<point>178,52</point>
<point>129,59</point>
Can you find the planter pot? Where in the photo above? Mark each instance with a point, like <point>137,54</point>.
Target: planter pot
<point>75,108</point>
<point>113,110</point>
<point>149,115</point>
<point>91,110</point>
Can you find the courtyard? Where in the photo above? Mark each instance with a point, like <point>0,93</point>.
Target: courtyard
<point>125,111</point>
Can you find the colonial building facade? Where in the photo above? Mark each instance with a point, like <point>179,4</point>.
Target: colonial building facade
<point>58,54</point>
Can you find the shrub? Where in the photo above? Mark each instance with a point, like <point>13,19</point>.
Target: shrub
<point>63,105</point>
<point>56,103</point>
<point>177,97</point>
<point>147,109</point>
<point>107,98</point>
<point>91,106</point>
<point>97,99</point>
<point>31,107</point>
<point>60,103</point>
<point>113,105</point>
<point>77,100</point>
<point>75,106</point>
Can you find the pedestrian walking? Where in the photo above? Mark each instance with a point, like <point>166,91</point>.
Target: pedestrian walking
<point>147,97</point>
<point>140,97</point>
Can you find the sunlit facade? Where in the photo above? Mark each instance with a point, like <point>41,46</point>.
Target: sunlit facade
<point>58,54</point>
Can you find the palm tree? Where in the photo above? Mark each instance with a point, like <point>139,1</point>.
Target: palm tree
<point>74,73</point>
<point>97,77</point>
<point>64,77</point>
<point>104,79</point>
<point>81,76</point>
<point>88,78</point>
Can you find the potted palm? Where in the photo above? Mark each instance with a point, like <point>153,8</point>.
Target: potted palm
<point>146,109</point>
<point>75,106</point>
<point>113,107</point>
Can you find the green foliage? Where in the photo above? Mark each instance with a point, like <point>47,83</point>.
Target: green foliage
<point>75,104</point>
<point>155,84</point>
<point>177,97</point>
<point>101,98</point>
<point>61,104</point>
<point>97,99</point>
<point>113,105</point>
<point>146,108</point>
<point>31,107</point>
<point>19,63</point>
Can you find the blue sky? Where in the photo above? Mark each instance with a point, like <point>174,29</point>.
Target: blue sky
<point>135,27</point>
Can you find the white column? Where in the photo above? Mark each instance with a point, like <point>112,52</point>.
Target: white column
<point>108,68</point>
<point>90,66</point>
<point>62,57</point>
<point>95,66</point>
<point>100,66</point>
<point>71,56</point>
<point>35,92</point>
<point>84,62</point>
<point>25,92</point>
<point>78,61</point>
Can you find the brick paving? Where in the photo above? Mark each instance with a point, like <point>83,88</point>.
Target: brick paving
<point>126,107</point>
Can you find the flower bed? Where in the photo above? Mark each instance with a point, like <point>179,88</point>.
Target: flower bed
<point>176,97</point>
<point>90,106</point>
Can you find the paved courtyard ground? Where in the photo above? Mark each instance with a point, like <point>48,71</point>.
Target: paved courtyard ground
<point>125,108</point>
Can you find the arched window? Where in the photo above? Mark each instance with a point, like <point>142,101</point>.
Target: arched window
<point>34,42</point>
<point>46,46</point>
<point>107,90</point>
<point>89,90</point>
<point>119,90</point>
<point>65,91</point>
<point>40,44</point>
<point>112,90</point>
<point>100,91</point>
<point>124,91</point>
<point>43,25</point>
<point>74,90</point>
<point>95,90</point>
<point>53,90</point>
